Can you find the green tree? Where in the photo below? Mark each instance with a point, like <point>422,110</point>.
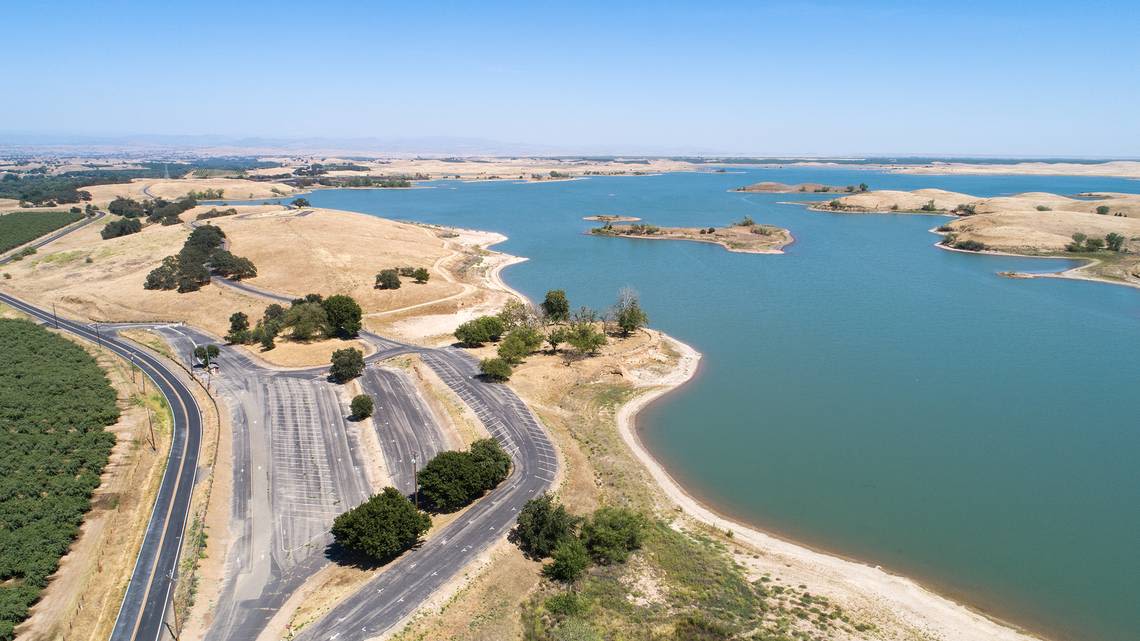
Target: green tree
<point>863,187</point>
<point>492,462</point>
<point>124,227</point>
<point>542,524</point>
<point>421,275</point>
<point>628,313</point>
<point>206,353</point>
<point>481,330</point>
<point>361,406</point>
<point>585,339</point>
<point>519,343</point>
<point>556,306</point>
<point>307,320</point>
<point>344,315</point>
<point>381,527</point>
<point>1114,241</point>
<point>612,533</point>
<point>239,329</point>
<point>1102,210</point>
<point>570,561</point>
<point>300,202</point>
<point>517,314</point>
<point>347,364</point>
<point>1078,243</point>
<point>1094,244</point>
<point>557,336</point>
<point>495,369</point>
<point>388,279</point>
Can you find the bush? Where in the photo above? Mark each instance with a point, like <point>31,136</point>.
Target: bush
<point>495,369</point>
<point>1044,208</point>
<point>1102,210</point>
<point>570,561</point>
<point>1094,244</point>
<point>344,315</point>
<point>307,321</point>
<point>300,202</point>
<point>745,222</point>
<point>361,406</point>
<point>454,479</point>
<point>388,279</point>
<point>970,245</point>
<point>612,533</point>
<point>1114,241</point>
<point>929,206</point>
<point>421,275</point>
<point>542,524</point>
<point>585,339</point>
<point>124,227</point>
<point>556,306</point>
<point>381,527</point>
<point>628,313</point>
<point>481,330</point>
<point>519,343</point>
<point>565,604</point>
<point>347,364</point>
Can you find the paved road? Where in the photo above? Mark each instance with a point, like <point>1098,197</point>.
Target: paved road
<point>295,467</point>
<point>406,429</point>
<point>413,578</point>
<point>153,577</point>
<point>55,235</point>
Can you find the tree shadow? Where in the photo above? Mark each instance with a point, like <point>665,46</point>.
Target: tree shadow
<point>345,557</point>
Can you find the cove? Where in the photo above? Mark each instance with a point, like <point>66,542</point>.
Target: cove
<point>866,393</point>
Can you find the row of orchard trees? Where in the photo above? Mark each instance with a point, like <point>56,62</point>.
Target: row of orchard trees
<point>521,330</point>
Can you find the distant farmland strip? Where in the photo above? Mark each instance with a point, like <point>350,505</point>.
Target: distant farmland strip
<point>55,404</point>
<point>21,227</point>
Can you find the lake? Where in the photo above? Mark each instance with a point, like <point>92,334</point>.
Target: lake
<point>866,393</point>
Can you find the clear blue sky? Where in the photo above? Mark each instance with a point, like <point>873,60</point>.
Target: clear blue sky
<point>1044,78</point>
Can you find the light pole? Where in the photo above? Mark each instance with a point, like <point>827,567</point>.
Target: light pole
<point>415,485</point>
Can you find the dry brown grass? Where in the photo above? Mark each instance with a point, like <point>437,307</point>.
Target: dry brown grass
<point>144,188</point>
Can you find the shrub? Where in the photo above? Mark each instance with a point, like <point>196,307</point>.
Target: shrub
<point>556,306</point>
<point>388,279</point>
<point>570,561</point>
<point>300,202</point>
<point>585,339</point>
<point>421,275</point>
<point>970,245</point>
<point>124,227</point>
<point>495,369</point>
<point>453,479</point>
<point>1114,241</point>
<point>347,364</point>
<point>1102,210</point>
<point>1044,208</point>
<point>745,222</point>
<point>519,343</point>
<point>381,527</point>
<point>361,406</point>
<point>307,320</point>
<point>628,313</point>
<point>542,524</point>
<point>612,533</point>
<point>1094,244</point>
<point>565,604</point>
<point>480,330</point>
<point>929,206</point>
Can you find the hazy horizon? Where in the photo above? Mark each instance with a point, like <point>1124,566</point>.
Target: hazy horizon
<point>746,79</point>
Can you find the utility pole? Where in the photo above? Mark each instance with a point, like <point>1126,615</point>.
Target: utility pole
<point>416,485</point>
<point>98,337</point>
<point>54,317</point>
<point>150,424</point>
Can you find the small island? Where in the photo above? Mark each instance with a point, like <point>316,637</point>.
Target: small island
<point>744,236</point>
<point>611,218</point>
<point>801,188</point>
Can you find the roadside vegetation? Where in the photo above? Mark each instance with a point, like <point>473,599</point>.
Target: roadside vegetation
<point>22,227</point>
<point>55,404</point>
<point>309,318</point>
<point>388,523</point>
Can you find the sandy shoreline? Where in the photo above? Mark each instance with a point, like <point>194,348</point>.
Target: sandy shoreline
<point>906,599</point>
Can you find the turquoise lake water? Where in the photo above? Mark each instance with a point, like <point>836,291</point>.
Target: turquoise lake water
<point>867,393</point>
